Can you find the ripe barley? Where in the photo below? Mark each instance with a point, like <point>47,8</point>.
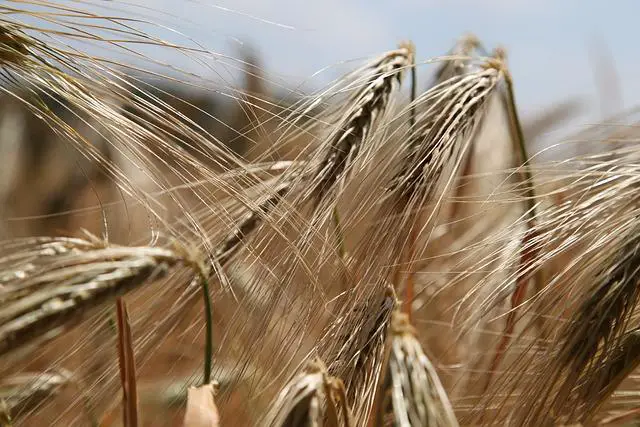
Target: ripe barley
<point>55,283</point>
<point>411,393</point>
<point>311,399</point>
<point>358,122</point>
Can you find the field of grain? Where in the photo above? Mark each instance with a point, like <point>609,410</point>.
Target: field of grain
<point>383,252</point>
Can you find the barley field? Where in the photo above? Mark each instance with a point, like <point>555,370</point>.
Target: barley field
<point>397,248</point>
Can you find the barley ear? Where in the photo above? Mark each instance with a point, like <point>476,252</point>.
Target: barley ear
<point>411,392</point>
<point>310,398</point>
<point>53,283</point>
<point>354,129</point>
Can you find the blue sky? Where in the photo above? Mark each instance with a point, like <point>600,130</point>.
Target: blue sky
<point>552,45</point>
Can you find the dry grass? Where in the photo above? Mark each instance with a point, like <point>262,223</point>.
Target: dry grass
<point>350,258</point>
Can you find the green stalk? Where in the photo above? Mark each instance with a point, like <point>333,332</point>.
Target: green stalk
<point>414,90</point>
<point>518,135</point>
<point>524,160</point>
<point>208,347</point>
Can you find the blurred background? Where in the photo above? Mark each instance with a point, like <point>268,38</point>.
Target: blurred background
<point>586,48</point>
<point>572,61</point>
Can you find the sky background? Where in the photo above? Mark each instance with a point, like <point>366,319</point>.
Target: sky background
<point>556,49</point>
